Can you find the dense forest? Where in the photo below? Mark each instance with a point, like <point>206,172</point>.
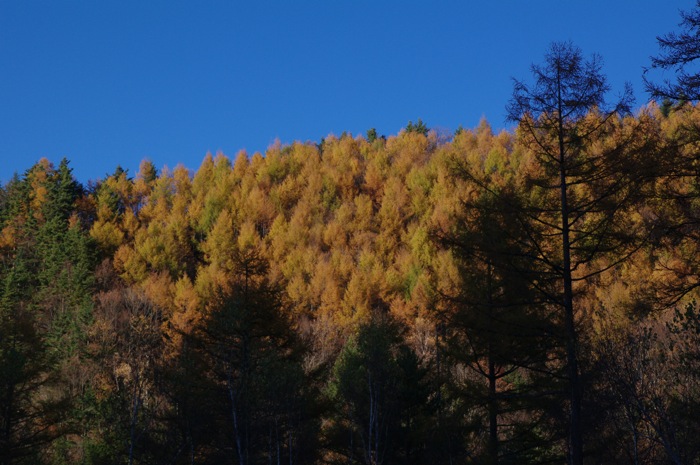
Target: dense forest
<point>526,296</point>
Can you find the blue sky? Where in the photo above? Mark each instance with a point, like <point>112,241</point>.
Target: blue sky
<point>105,82</point>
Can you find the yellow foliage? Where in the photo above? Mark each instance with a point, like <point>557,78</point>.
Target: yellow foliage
<point>107,235</point>
<point>8,237</point>
<point>347,226</point>
<point>130,266</point>
<point>220,244</point>
<point>158,287</point>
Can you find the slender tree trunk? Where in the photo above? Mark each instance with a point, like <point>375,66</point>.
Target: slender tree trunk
<point>492,376</point>
<point>135,407</point>
<point>575,433</point>
<point>7,425</point>
<point>440,333</point>
<point>438,367</point>
<point>372,421</point>
<point>191,441</point>
<point>635,442</point>
<point>234,418</point>
<point>351,447</point>
<point>493,413</point>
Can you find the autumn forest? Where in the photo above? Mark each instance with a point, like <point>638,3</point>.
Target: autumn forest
<point>481,297</point>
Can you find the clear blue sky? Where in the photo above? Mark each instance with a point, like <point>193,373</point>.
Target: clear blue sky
<point>108,82</point>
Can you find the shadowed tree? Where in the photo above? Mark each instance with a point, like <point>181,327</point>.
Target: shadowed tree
<point>255,362</point>
<point>679,179</point>
<point>497,331</point>
<point>679,52</point>
<point>24,363</point>
<point>379,393</point>
<point>577,216</point>
<point>45,276</point>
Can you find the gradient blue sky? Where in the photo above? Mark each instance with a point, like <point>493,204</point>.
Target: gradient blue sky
<point>106,82</point>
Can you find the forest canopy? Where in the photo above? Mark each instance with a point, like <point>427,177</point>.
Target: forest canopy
<point>524,296</point>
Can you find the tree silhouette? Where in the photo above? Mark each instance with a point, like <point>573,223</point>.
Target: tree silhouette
<point>579,190</point>
<point>678,52</point>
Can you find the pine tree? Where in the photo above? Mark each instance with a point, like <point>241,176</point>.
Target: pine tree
<point>678,52</point>
<point>254,359</point>
<point>379,394</point>
<point>581,191</point>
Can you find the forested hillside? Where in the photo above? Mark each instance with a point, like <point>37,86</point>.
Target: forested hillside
<point>361,300</point>
<point>526,296</point>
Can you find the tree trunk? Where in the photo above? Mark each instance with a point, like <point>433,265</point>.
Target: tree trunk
<point>234,417</point>
<point>493,413</point>
<point>492,376</point>
<point>6,433</point>
<point>575,433</point>
<point>135,407</point>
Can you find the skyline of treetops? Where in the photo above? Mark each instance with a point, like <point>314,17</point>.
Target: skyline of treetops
<point>480,297</point>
